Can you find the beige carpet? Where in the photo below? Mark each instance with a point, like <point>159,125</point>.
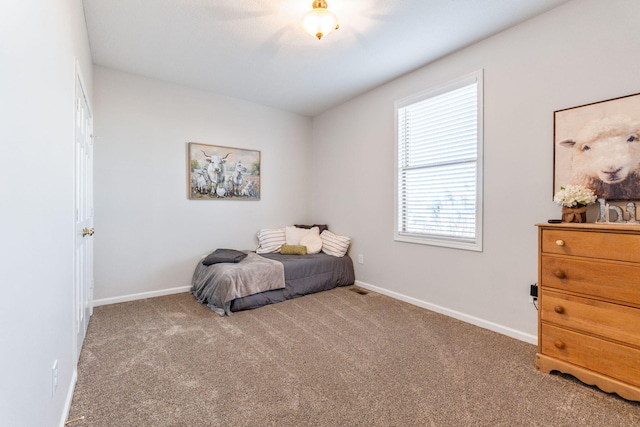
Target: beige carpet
<point>336,358</point>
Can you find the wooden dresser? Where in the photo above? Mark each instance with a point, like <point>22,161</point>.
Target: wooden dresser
<point>589,304</point>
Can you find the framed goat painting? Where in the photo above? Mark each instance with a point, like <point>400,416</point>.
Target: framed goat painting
<point>222,173</point>
<point>598,146</point>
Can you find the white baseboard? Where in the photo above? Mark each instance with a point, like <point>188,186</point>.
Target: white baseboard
<point>142,295</point>
<point>69,398</point>
<point>519,335</point>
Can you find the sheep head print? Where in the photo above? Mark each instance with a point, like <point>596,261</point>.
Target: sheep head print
<point>216,172</point>
<point>598,146</point>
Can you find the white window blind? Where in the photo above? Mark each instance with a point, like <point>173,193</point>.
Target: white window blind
<point>439,170</point>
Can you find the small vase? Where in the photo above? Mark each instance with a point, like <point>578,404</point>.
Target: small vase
<point>577,214</point>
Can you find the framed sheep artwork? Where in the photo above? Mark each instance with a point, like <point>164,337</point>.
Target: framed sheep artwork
<point>598,146</point>
<point>217,172</point>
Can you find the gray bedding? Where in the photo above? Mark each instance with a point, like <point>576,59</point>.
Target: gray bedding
<point>218,284</point>
<point>303,274</point>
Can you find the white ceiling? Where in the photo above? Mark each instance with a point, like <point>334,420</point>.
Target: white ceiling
<point>255,49</point>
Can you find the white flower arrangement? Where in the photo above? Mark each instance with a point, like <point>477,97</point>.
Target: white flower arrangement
<point>573,196</point>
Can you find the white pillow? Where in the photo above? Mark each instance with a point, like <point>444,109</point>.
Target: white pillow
<point>270,240</point>
<point>312,241</point>
<point>333,244</point>
<point>294,234</point>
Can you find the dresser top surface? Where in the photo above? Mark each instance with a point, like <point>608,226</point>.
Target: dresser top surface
<point>591,226</point>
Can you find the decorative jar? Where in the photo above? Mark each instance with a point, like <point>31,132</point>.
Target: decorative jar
<point>577,214</point>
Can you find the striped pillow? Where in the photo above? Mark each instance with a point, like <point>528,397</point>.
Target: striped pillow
<point>270,240</point>
<point>334,245</point>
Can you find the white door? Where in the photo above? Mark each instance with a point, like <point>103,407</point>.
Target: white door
<point>83,260</point>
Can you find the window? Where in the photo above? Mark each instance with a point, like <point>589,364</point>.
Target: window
<point>439,165</point>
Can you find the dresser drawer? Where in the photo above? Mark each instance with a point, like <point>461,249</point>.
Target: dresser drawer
<point>616,246</point>
<point>612,321</point>
<point>611,359</point>
<point>614,281</point>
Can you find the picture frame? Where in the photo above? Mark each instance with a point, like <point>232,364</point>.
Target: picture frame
<point>597,145</point>
<point>216,172</point>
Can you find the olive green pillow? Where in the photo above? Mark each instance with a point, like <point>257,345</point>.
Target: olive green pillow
<point>293,250</point>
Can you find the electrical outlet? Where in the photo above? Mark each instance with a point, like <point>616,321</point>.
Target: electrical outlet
<point>533,299</point>
<point>360,259</point>
<point>54,378</point>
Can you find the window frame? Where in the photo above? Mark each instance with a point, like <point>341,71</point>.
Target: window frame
<point>438,240</point>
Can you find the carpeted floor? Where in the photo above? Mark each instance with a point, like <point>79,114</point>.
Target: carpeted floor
<point>336,358</point>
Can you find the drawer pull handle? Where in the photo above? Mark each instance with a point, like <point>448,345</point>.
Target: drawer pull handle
<point>559,344</point>
<point>558,309</point>
<point>560,274</point>
<point>560,242</point>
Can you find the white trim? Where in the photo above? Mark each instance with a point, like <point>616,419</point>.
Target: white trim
<point>504,330</point>
<point>141,295</point>
<point>69,399</point>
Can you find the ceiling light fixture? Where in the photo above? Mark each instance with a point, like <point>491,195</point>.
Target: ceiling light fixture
<point>319,22</point>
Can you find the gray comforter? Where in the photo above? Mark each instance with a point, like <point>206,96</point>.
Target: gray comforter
<point>219,284</point>
<point>303,274</point>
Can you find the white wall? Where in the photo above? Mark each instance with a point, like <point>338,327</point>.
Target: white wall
<point>38,42</point>
<point>149,236</point>
<point>584,51</point>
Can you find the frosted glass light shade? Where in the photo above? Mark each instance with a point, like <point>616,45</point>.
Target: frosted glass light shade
<point>319,22</point>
